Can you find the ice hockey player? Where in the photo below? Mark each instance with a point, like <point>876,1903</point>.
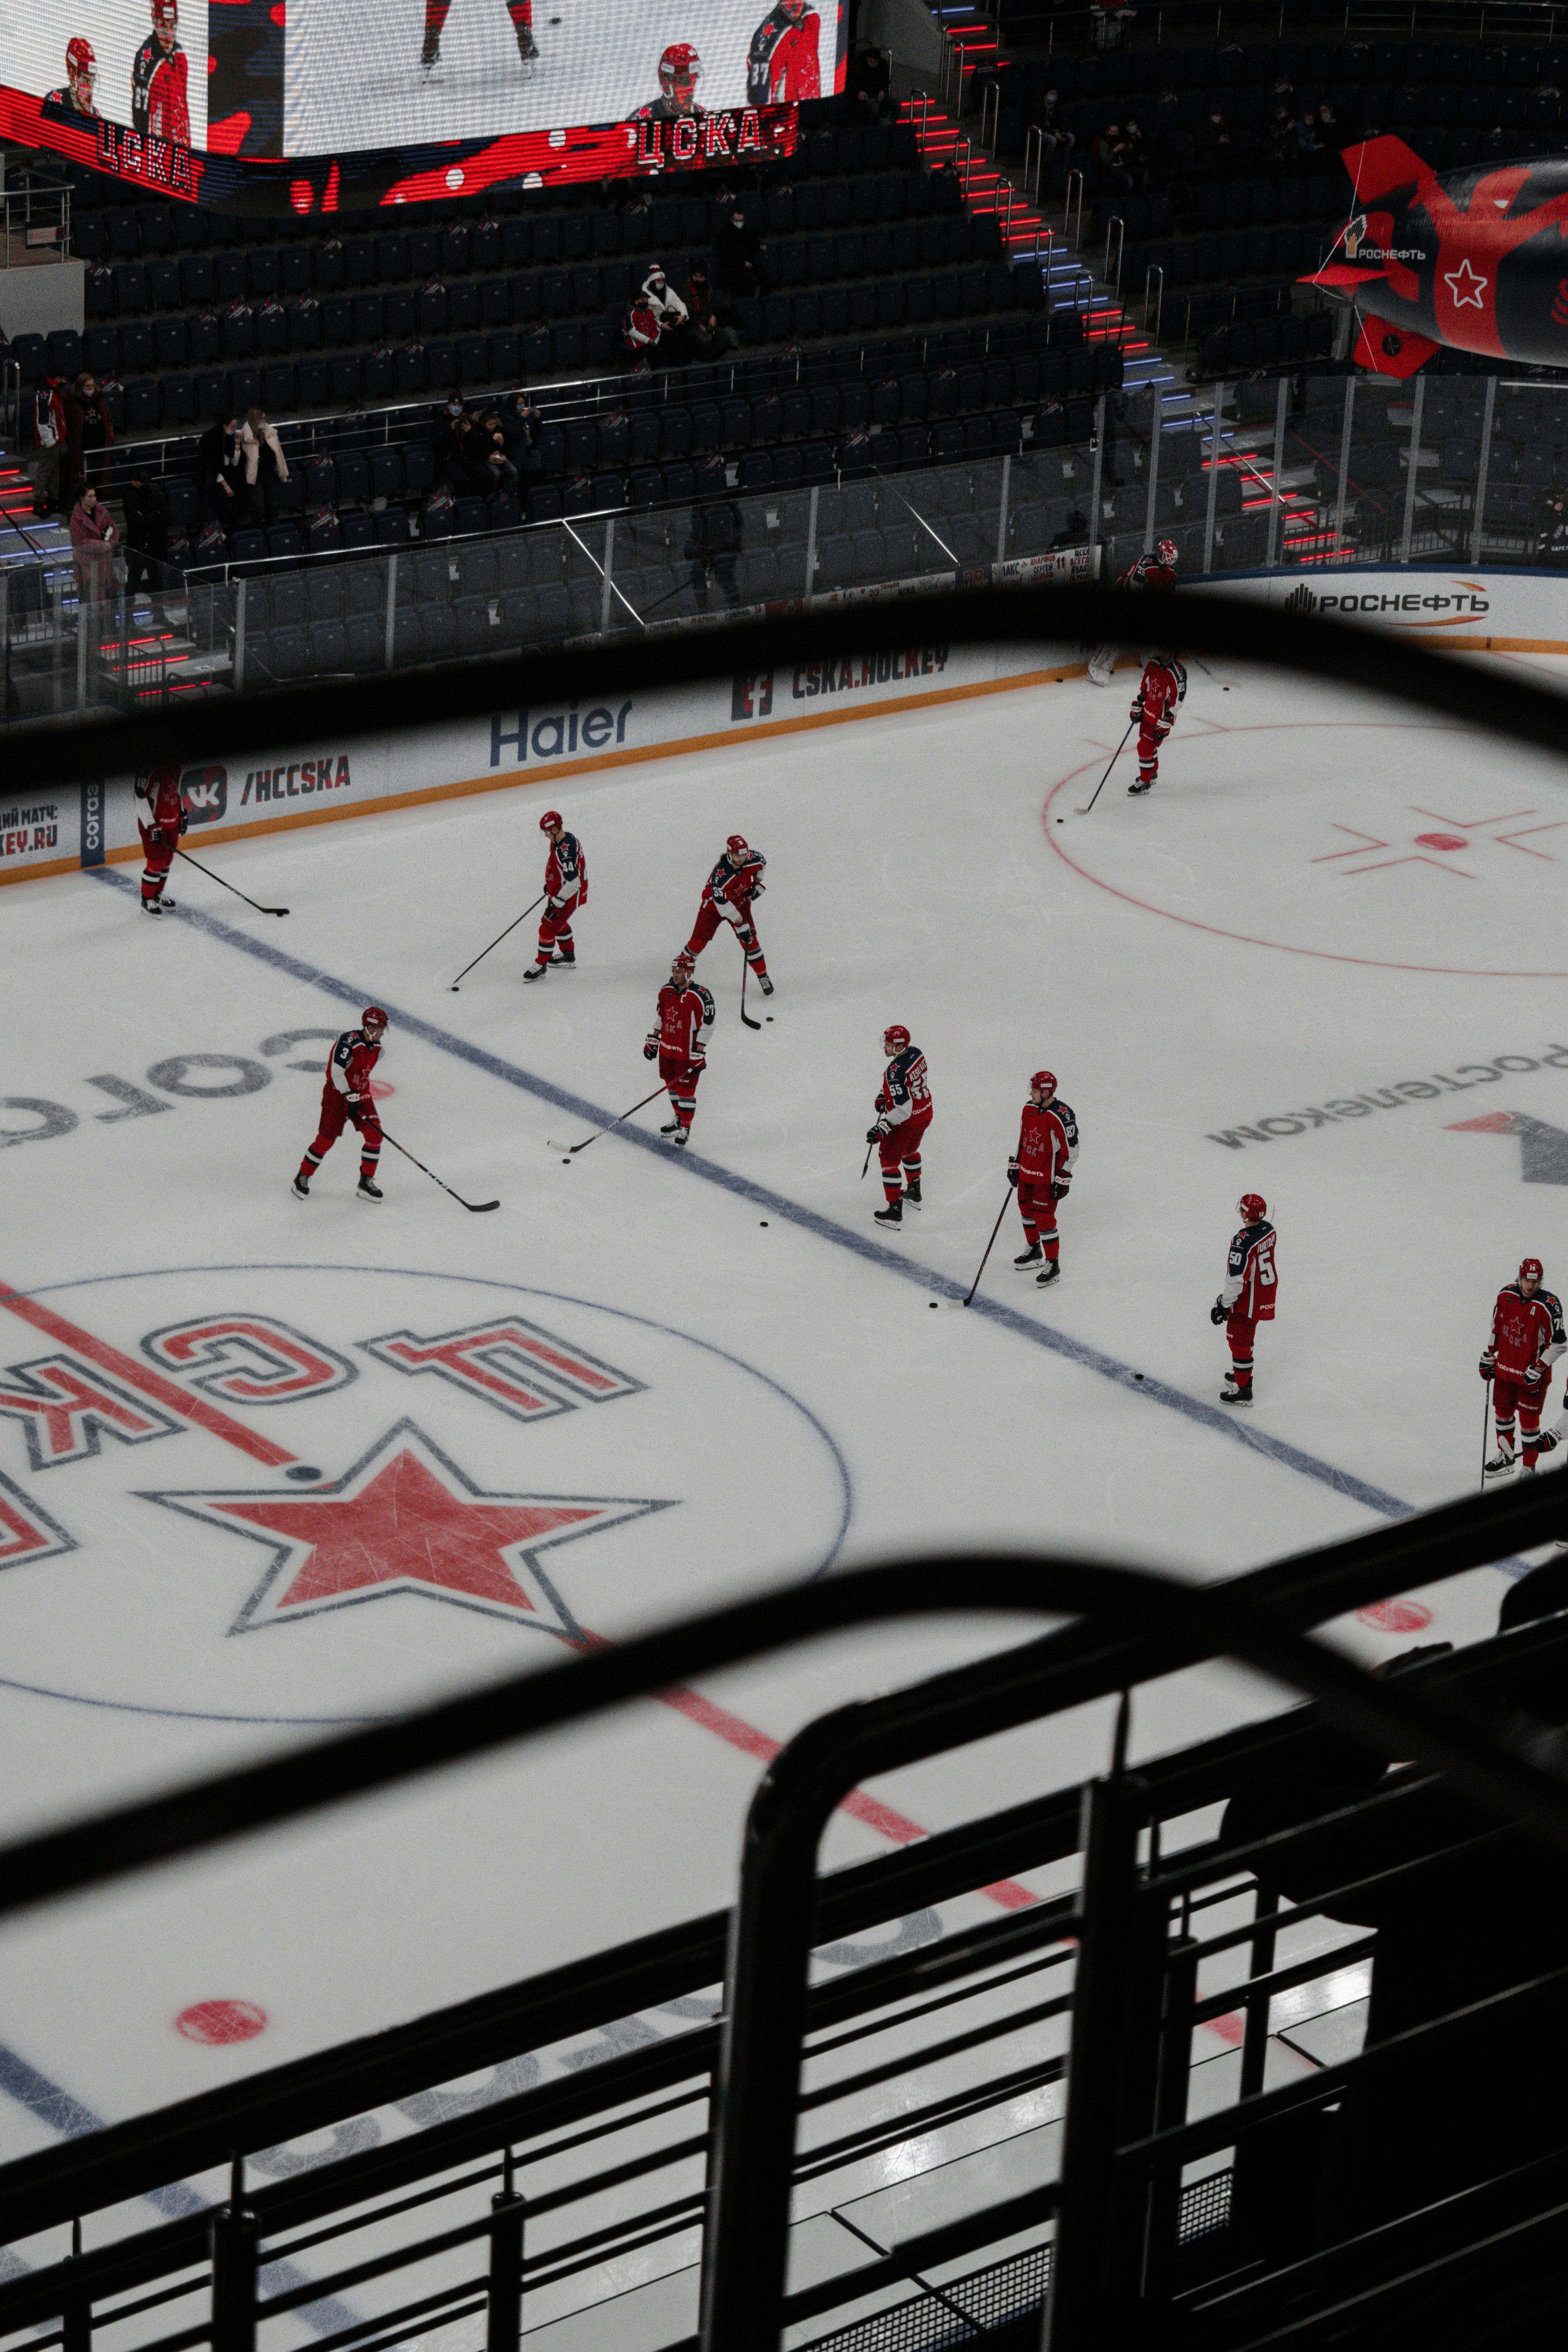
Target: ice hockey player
<point>165,821</point>
<point>160,103</point>
<point>1161,691</point>
<point>82,71</point>
<point>904,1108</point>
<point>346,1101</point>
<point>566,889</point>
<point>781,63</point>
<point>680,1042</point>
<point>1154,571</point>
<point>1251,1287</point>
<point>726,897</point>
<point>1041,1168</point>
<point>1527,1338</point>
<point>680,70</point>
<point>521,13</point>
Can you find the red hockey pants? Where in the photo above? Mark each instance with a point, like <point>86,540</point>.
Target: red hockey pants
<point>707,922</point>
<point>337,1113</point>
<point>899,1153</point>
<point>1525,1398</point>
<point>681,1078</point>
<point>158,846</point>
<point>555,932</point>
<point>1036,1207</point>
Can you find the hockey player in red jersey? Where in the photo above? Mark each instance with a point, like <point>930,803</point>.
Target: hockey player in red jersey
<point>680,70</point>
<point>1162,689</point>
<point>1527,1338</point>
<point>781,65</point>
<point>82,71</point>
<point>1153,572</point>
<point>521,13</point>
<point>566,889</point>
<point>346,1101</point>
<point>680,1043</point>
<point>904,1108</point>
<point>160,103</point>
<point>727,896</point>
<point>1251,1287</point>
<point>1041,1168</point>
<point>159,829</point>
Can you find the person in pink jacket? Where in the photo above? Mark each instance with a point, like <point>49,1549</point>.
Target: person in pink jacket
<point>93,536</point>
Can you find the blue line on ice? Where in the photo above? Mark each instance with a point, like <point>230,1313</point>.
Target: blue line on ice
<point>1041,1334</point>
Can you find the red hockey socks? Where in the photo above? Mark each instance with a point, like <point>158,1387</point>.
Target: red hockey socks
<point>521,13</point>
<point>435,15</point>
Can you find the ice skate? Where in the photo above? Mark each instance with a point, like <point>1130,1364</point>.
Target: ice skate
<point>1049,1272</point>
<point>429,59</point>
<point>673,1128</point>
<point>680,1137</point>
<point>893,1216</point>
<point>566,962</point>
<point>1236,1391</point>
<point>300,1188</point>
<point>527,47</point>
<point>764,983</point>
<point>1033,1255</point>
<point>536,971</point>
<point>1498,1463</point>
<point>1144,784</point>
<point>369,1190</point>
<point>911,1195</point>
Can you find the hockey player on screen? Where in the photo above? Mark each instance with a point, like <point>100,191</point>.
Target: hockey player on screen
<point>680,70</point>
<point>1251,1287</point>
<point>159,829</point>
<point>781,67</point>
<point>346,1101</point>
<point>904,1108</point>
<point>1155,573</point>
<point>160,105</point>
<point>521,13</point>
<point>1161,691</point>
<point>566,889</point>
<point>680,1042</point>
<point>1527,1338</point>
<point>81,70</point>
<point>727,895</point>
<point>1041,1168</point>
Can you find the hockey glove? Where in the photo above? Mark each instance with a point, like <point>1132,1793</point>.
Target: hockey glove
<point>1136,713</point>
<point>874,1134</point>
<point>1489,1366</point>
<point>1217,1312</point>
<point>1059,1192</point>
<point>1013,1173</point>
<point>650,1049</point>
<point>1533,1377</point>
<point>745,935</point>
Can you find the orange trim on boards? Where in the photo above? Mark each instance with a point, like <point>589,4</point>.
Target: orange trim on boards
<point>513,781</point>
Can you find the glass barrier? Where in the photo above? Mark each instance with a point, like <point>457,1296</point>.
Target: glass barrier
<point>1287,472</point>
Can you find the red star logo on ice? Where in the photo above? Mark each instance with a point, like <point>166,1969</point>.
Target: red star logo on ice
<point>1466,286</point>
<point>406,1519</point>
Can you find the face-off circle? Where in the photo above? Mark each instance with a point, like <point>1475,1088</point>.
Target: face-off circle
<point>1389,843</point>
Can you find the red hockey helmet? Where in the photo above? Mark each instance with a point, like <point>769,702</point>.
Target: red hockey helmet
<point>1251,1205</point>
<point>165,15</point>
<point>79,58</point>
<point>552,818</point>
<point>1167,552</point>
<point>372,1017</point>
<point>1530,1269</point>
<point>895,1040</point>
<point>683,963</point>
<point>680,69</point>
<point>1045,1080</point>
<point>737,848</point>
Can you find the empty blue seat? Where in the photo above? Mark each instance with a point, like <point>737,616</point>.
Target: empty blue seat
<point>290,655</point>
<point>365,642</point>
<point>437,633</point>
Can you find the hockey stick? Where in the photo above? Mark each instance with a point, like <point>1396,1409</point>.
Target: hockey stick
<point>478,1207</point>
<point>496,943</point>
<point>1114,756</point>
<point>569,1148</point>
<point>745,973</point>
<point>990,1245</point>
<point>1486,1427</point>
<point>227,885</point>
<point>865,1163</point>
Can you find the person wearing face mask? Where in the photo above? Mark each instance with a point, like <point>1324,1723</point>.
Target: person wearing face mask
<point>89,432</point>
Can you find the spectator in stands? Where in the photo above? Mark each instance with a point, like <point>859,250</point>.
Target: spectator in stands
<point>146,537</point>
<point>461,453</point>
<point>705,335</point>
<point>738,257</point>
<point>1054,135</point>
<point>660,297</point>
<point>1216,153</point>
<point>1330,135</point>
<point>521,425</point>
<point>48,442</point>
<point>264,464</point>
<point>92,543</point>
<point>490,435</point>
<point>89,432</point>
<point>713,542</point>
<point>1307,140</point>
<point>639,333</point>
<point>1109,154</point>
<point>870,84</point>
<point>1552,528</point>
<point>220,469</point>
<point>1475,1920</point>
<point>1135,152</point>
<point>1281,138</point>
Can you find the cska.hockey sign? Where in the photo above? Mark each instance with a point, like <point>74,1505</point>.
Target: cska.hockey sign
<point>715,138</point>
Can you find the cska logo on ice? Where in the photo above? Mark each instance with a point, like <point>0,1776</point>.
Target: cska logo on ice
<point>386,1472</point>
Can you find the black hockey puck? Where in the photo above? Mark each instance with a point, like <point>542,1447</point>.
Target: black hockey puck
<point>768,1016</point>
<point>1059,820</point>
<point>1137,1376</point>
<point>763,1223</point>
<point>302,1470</point>
<point>931,1302</point>
<point>566,1160</point>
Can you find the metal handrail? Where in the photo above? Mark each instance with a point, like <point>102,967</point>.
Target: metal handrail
<point>1117,224</point>
<point>991,113</point>
<point>1072,209</point>
<point>1033,160</point>
<point>1154,269</point>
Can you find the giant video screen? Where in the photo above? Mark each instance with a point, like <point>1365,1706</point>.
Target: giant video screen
<point>320,105</point>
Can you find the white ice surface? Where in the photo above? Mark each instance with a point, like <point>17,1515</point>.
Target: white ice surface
<point>916,873</point>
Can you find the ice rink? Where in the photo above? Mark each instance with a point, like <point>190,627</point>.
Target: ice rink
<point>424,1448</point>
